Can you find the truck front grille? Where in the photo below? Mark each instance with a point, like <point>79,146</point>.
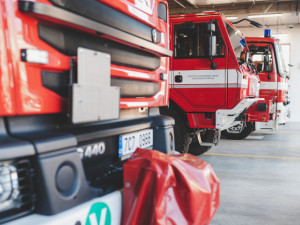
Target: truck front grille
<point>102,13</point>
<point>59,83</point>
<point>67,41</point>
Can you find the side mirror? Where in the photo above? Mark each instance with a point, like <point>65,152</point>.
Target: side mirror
<point>212,50</point>
<point>260,67</point>
<point>212,41</point>
<point>244,57</point>
<point>266,63</point>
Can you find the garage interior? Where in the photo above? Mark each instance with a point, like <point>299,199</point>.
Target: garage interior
<point>285,26</point>
<point>113,113</point>
<point>259,181</point>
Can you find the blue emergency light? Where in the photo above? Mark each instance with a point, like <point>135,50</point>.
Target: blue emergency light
<point>267,32</point>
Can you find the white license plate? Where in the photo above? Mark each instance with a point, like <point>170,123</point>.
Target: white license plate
<point>128,143</point>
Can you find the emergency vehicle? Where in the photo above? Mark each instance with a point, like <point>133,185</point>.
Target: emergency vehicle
<point>214,85</point>
<point>81,86</point>
<point>269,60</point>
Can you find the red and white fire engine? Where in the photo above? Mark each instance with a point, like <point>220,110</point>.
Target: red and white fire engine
<point>81,83</point>
<point>269,60</point>
<point>214,85</point>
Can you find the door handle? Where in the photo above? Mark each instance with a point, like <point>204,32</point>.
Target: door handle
<point>178,78</point>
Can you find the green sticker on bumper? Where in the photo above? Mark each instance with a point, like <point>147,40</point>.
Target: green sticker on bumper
<point>99,215</point>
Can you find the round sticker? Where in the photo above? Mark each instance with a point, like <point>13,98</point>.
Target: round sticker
<point>99,215</point>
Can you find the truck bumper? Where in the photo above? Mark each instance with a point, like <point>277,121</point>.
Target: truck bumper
<point>225,118</point>
<point>63,178</point>
<point>281,112</point>
<point>109,209</point>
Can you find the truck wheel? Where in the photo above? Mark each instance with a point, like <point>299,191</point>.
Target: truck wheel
<point>231,133</point>
<point>197,149</point>
<point>209,136</point>
<point>182,136</point>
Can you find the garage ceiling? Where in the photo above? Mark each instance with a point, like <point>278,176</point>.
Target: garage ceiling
<point>243,8</point>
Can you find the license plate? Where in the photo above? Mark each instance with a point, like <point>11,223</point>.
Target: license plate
<point>128,143</point>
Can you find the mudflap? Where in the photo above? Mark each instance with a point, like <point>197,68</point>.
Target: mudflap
<point>154,184</point>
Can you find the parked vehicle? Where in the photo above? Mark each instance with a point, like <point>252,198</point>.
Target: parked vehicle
<point>214,85</point>
<point>268,58</point>
<point>81,86</point>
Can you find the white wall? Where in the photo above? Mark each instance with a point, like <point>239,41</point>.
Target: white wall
<point>293,38</point>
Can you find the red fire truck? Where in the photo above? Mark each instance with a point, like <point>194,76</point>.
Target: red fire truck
<point>81,83</point>
<point>213,83</point>
<point>268,58</point>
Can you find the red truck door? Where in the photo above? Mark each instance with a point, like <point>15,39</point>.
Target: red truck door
<point>193,80</point>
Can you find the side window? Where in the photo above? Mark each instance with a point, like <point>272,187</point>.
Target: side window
<point>191,40</point>
<point>162,11</point>
<point>238,42</point>
<point>258,57</point>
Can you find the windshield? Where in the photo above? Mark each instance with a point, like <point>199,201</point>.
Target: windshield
<point>238,41</point>
<point>258,54</point>
<point>280,61</point>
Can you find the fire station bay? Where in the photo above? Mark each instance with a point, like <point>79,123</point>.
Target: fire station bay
<point>149,112</point>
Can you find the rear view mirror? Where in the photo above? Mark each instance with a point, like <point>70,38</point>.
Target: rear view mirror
<point>260,67</point>
<point>212,41</point>
<point>211,27</point>
<point>266,64</point>
<point>244,57</point>
<point>212,50</point>
<point>253,48</point>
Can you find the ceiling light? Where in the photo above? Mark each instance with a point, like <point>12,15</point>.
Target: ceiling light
<point>231,18</point>
<point>280,35</point>
<point>265,15</point>
<point>179,3</point>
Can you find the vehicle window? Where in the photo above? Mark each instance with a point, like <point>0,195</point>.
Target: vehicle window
<point>192,41</point>
<point>280,61</point>
<point>238,41</point>
<point>258,57</point>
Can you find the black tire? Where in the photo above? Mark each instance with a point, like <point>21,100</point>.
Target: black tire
<point>239,136</point>
<point>196,148</point>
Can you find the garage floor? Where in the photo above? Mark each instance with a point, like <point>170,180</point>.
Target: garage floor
<point>260,178</point>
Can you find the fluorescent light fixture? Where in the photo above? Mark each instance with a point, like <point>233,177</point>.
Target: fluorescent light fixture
<point>231,18</point>
<point>279,35</point>
<point>265,15</point>
<point>179,3</point>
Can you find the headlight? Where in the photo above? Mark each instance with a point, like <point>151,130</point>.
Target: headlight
<point>9,186</point>
<point>17,197</point>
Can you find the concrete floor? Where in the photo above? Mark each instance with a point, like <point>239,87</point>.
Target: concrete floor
<point>260,178</point>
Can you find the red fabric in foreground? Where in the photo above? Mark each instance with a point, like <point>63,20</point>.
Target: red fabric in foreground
<point>168,189</point>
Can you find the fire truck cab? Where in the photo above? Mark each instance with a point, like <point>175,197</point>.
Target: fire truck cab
<point>214,86</point>
<point>81,86</point>
<point>268,58</point>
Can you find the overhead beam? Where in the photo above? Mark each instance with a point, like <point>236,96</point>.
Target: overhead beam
<point>240,8</point>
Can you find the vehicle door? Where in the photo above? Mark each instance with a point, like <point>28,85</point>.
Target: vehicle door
<point>194,80</point>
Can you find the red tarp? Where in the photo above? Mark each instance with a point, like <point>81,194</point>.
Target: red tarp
<point>168,189</point>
